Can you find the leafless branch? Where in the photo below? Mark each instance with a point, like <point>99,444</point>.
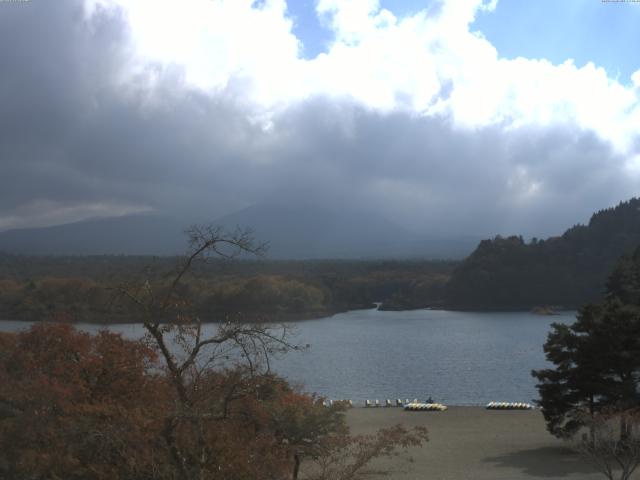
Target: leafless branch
<point>613,443</point>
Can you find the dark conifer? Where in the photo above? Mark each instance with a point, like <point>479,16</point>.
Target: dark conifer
<point>596,359</point>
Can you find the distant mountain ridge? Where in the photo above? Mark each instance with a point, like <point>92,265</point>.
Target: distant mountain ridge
<point>292,232</point>
<point>312,232</point>
<point>140,234</point>
<point>570,270</point>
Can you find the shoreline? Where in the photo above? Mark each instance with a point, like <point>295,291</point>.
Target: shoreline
<point>302,317</point>
<point>284,317</point>
<point>475,444</point>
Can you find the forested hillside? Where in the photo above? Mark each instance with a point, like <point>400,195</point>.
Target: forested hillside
<point>567,271</point>
<point>81,288</point>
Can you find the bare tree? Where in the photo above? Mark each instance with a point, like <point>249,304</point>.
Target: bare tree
<point>613,443</point>
<point>345,457</point>
<point>211,368</point>
<point>190,350</point>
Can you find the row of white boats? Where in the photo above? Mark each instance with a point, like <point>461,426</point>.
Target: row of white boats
<point>430,405</point>
<point>388,403</point>
<point>509,406</point>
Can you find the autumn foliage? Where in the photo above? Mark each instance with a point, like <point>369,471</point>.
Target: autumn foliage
<point>77,406</point>
<point>186,402</point>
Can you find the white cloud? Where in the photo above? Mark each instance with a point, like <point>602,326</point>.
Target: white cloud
<point>430,63</point>
<point>44,213</point>
<point>354,20</point>
<point>217,41</point>
<point>635,78</point>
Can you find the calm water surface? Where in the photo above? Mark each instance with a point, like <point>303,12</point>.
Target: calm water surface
<point>459,358</point>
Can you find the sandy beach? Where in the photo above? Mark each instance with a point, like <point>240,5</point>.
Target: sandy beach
<point>474,443</point>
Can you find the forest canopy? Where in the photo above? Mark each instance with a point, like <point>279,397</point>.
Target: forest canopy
<point>567,271</point>
<point>78,288</point>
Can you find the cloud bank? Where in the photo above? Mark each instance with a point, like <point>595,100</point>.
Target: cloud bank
<point>197,109</point>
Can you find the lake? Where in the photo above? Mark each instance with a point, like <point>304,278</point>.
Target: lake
<point>458,358</point>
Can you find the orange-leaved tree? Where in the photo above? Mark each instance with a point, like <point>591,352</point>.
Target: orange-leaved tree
<point>73,405</point>
<point>189,401</point>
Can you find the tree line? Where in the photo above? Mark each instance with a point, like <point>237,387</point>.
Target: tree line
<point>567,271</point>
<point>79,289</point>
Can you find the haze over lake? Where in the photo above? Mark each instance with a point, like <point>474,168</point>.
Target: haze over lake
<point>459,358</point>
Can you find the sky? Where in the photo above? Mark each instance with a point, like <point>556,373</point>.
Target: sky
<point>470,117</point>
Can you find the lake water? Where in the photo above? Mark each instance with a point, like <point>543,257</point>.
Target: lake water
<point>458,358</point>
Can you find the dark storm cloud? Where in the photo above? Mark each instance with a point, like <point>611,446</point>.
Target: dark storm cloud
<point>535,181</point>
<point>78,127</point>
<point>73,132</point>
<point>54,67</point>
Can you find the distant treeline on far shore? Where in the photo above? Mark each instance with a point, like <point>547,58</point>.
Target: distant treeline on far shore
<point>82,288</point>
<point>506,273</point>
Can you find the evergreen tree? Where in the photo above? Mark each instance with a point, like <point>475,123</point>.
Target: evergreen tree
<point>597,358</point>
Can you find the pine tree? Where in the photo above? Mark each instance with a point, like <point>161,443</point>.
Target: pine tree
<point>597,358</point>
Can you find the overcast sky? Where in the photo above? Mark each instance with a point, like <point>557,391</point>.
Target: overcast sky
<point>455,116</point>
